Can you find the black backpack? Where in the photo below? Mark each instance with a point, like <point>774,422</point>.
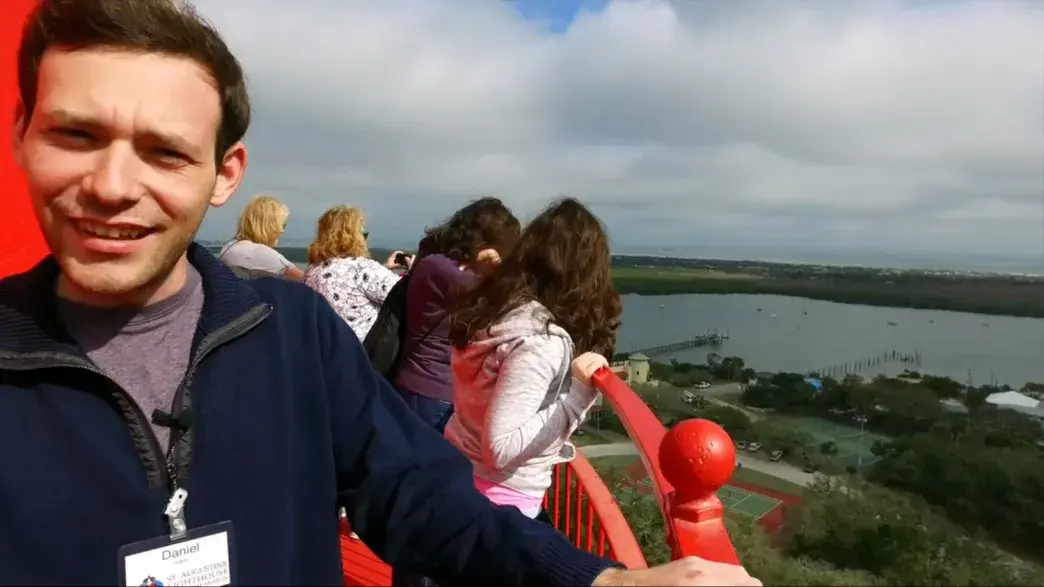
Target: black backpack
<point>383,343</point>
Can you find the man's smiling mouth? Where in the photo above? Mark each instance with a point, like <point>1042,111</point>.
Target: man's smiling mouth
<point>113,231</point>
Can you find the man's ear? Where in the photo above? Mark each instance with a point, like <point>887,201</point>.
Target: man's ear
<point>18,134</point>
<point>229,174</point>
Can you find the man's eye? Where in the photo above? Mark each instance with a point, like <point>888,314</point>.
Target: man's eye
<point>74,133</point>
<point>168,157</point>
<point>169,154</point>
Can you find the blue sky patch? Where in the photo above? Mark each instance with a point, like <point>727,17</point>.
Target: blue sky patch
<point>558,14</point>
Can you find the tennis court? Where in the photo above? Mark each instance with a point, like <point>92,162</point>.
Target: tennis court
<point>742,501</point>
<point>853,445</point>
<point>745,502</point>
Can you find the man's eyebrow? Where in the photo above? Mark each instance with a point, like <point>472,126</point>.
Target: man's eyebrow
<point>172,140</point>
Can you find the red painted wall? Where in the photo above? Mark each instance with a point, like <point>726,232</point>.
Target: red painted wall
<point>21,245</point>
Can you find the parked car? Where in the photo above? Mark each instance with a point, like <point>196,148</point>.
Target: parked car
<point>776,455</point>
<point>741,444</point>
<point>702,385</point>
<point>754,447</point>
<point>578,432</point>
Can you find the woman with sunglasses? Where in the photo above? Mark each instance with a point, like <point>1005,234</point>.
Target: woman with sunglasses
<point>341,270</point>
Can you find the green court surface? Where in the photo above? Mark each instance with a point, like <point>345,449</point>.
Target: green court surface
<point>853,445</point>
<point>746,502</point>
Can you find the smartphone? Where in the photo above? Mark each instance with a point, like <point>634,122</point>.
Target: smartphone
<point>400,259</point>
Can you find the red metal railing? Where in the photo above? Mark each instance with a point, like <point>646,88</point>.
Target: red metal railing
<point>687,465</point>
<point>582,507</point>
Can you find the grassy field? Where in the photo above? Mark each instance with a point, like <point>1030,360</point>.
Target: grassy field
<point>677,273</point>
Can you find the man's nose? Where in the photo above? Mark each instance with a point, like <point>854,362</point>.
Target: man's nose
<point>115,178</point>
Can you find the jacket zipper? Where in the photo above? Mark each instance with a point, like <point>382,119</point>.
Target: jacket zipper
<point>231,331</point>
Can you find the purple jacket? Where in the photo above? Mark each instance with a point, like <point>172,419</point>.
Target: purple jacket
<point>426,365</point>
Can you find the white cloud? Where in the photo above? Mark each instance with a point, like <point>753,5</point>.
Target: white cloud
<point>844,124</point>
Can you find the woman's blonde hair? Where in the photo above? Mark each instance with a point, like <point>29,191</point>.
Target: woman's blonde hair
<point>339,234</point>
<point>262,221</point>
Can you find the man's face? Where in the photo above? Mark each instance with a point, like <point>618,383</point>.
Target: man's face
<point>119,158</point>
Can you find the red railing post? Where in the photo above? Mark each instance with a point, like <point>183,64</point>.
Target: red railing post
<point>686,467</point>
<point>698,457</point>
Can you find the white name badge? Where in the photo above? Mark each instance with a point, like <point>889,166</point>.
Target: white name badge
<point>205,556</point>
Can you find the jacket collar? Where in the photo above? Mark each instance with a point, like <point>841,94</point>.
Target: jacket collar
<point>28,305</point>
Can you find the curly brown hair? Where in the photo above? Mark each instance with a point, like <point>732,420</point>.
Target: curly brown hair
<point>562,261</point>
<point>339,233</point>
<point>485,223</point>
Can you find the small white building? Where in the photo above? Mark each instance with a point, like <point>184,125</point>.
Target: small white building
<point>1013,399</point>
<point>634,371</point>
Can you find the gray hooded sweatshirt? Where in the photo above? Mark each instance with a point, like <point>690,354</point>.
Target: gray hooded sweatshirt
<point>515,402</point>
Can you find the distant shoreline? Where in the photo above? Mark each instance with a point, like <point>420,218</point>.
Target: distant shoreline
<point>989,294</point>
<point>1021,267</point>
<point>994,295</point>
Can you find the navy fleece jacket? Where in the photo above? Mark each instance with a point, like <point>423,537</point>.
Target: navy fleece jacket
<point>288,421</point>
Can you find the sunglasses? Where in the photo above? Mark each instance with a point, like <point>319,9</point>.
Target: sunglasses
<point>366,234</point>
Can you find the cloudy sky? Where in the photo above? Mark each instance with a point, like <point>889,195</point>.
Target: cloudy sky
<point>694,126</point>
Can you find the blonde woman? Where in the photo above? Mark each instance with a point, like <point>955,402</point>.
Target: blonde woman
<point>341,270</point>
<point>252,251</point>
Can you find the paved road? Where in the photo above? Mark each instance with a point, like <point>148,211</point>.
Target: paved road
<point>721,389</point>
<point>616,449</point>
<point>781,470</point>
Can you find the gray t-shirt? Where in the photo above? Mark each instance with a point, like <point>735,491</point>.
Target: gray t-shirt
<point>145,350</point>
<point>254,260</point>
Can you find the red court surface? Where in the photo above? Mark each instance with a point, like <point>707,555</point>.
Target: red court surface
<point>771,521</point>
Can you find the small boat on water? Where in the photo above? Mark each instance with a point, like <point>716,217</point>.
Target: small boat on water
<point>890,323</point>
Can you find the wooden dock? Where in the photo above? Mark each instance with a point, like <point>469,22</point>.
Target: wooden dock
<point>712,338</point>
<point>857,367</point>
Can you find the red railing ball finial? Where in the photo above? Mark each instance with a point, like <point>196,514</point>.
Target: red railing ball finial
<point>697,457</point>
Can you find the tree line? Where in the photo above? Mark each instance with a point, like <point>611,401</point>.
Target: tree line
<point>998,295</point>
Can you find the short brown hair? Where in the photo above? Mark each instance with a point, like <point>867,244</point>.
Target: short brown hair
<point>562,261</point>
<point>339,233</point>
<point>145,26</point>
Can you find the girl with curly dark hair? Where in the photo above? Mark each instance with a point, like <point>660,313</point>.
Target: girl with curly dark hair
<point>470,242</point>
<point>526,341</point>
